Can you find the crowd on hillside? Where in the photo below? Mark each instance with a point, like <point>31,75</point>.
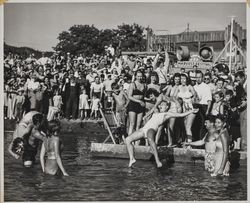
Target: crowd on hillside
<point>76,87</point>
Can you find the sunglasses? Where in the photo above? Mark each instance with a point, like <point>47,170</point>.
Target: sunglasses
<point>206,78</point>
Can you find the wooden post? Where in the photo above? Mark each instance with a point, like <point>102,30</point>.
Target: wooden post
<point>108,128</point>
<point>230,45</point>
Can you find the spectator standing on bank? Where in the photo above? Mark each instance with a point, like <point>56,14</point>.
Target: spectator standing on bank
<point>241,95</point>
<point>161,68</point>
<point>72,92</point>
<point>84,104</point>
<point>19,104</point>
<point>203,101</point>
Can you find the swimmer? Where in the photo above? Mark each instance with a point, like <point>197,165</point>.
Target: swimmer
<point>26,137</point>
<point>209,142</point>
<point>51,147</point>
<point>150,130</point>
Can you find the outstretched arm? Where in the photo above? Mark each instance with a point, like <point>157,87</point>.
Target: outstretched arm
<point>16,156</point>
<point>38,135</point>
<point>42,154</point>
<point>196,143</point>
<point>178,115</point>
<point>167,61</point>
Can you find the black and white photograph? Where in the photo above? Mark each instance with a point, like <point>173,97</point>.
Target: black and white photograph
<point>124,101</point>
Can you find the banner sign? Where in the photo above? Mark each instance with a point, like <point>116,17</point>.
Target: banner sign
<point>191,64</point>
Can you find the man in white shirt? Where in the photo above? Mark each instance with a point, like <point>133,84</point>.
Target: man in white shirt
<point>107,84</point>
<point>204,99</point>
<point>207,80</point>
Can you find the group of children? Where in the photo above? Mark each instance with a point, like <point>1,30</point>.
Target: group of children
<point>114,100</point>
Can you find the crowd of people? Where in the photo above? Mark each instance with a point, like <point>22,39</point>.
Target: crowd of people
<point>188,108</point>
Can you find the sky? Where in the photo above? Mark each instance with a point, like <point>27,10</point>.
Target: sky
<point>37,25</point>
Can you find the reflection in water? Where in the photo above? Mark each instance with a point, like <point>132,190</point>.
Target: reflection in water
<point>96,179</point>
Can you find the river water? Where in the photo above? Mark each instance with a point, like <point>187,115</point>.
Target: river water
<point>98,179</point>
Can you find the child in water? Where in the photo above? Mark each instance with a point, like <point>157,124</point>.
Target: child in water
<point>150,129</point>
<point>52,148</point>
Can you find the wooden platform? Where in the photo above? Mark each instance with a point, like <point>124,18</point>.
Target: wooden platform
<point>143,152</point>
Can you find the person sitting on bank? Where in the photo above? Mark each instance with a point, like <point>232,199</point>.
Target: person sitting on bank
<point>52,148</point>
<point>150,129</point>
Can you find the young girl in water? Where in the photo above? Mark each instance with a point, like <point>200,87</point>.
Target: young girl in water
<point>222,164</point>
<point>150,129</point>
<point>51,147</point>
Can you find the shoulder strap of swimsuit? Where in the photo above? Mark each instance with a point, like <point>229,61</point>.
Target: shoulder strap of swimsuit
<point>135,85</point>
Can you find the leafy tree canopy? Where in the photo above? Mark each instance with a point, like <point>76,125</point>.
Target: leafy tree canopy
<point>89,40</point>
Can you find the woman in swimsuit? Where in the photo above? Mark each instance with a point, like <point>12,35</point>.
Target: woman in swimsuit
<point>136,106</point>
<point>187,93</point>
<point>170,93</point>
<point>150,129</point>
<point>222,165</point>
<point>51,147</point>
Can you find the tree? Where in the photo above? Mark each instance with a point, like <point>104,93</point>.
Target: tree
<point>79,39</point>
<point>132,37</point>
<point>89,40</point>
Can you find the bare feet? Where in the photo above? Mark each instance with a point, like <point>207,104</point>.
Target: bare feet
<point>131,162</point>
<point>159,164</point>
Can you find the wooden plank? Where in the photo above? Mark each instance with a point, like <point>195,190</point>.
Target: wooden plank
<point>119,151</point>
<point>143,152</point>
<point>107,126</point>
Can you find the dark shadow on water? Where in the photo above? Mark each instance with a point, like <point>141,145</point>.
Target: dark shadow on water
<point>234,158</point>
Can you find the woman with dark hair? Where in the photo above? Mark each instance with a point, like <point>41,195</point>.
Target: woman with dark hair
<point>176,83</point>
<point>52,148</point>
<point>170,93</point>
<point>222,164</point>
<point>187,93</point>
<point>154,82</point>
<point>136,106</point>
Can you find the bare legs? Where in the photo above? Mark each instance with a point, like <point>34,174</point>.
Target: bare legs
<point>132,120</point>
<point>136,136</point>
<point>135,121</point>
<point>133,137</point>
<point>151,135</point>
<point>188,125</point>
<point>158,134</point>
<point>170,131</point>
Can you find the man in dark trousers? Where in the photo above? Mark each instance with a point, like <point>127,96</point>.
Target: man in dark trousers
<point>72,93</point>
<point>241,97</point>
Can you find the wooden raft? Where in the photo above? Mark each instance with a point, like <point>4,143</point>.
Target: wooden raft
<point>143,152</point>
